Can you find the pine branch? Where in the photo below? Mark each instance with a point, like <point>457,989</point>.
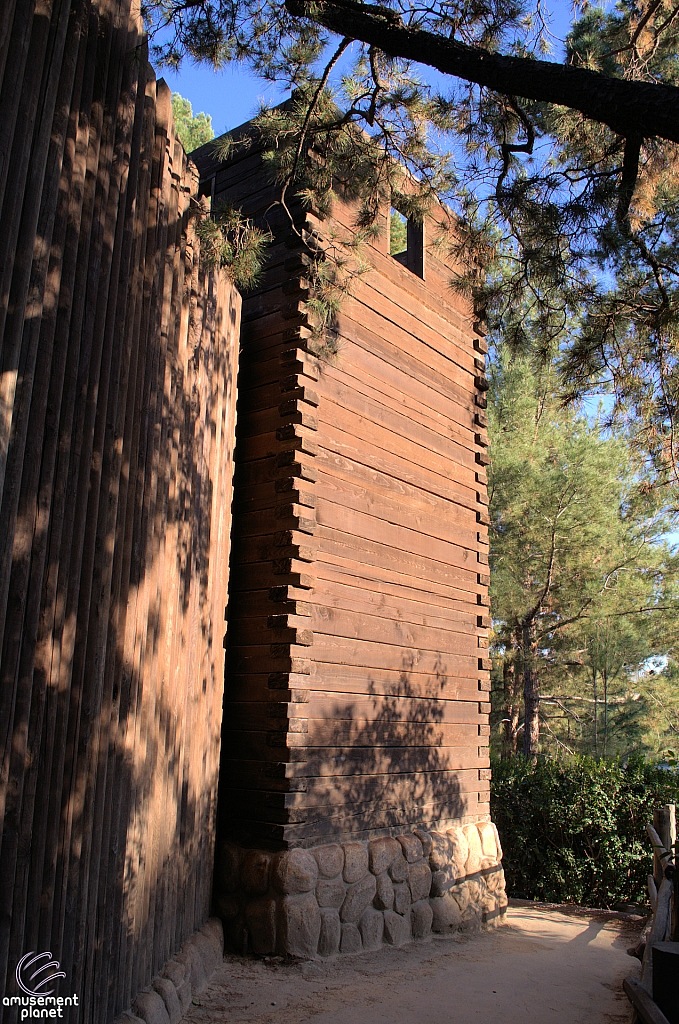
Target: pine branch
<point>645,109</point>
<point>628,181</point>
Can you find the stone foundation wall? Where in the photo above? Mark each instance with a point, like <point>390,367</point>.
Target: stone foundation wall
<point>342,898</point>
<point>171,992</point>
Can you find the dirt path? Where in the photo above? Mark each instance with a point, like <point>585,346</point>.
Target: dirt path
<point>543,967</point>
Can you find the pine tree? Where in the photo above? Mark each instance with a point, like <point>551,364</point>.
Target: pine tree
<point>575,547</point>
<point>193,129</point>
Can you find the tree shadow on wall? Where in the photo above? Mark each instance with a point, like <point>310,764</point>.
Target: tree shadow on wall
<point>106,856</point>
<point>391,769</point>
<point>383,763</point>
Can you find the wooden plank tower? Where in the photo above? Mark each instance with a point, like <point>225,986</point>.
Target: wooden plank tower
<point>355,770</point>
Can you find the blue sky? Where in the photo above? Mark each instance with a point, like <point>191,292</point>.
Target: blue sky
<point>230,96</point>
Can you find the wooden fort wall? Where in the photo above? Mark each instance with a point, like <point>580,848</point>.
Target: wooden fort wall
<point>357,680</point>
<point>118,405</point>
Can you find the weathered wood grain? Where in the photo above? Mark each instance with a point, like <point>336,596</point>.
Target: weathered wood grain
<point>395,586</point>
<point>116,440</point>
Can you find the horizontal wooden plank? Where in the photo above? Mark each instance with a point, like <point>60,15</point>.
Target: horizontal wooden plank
<point>394,708</point>
<point>257,630</point>
<point>302,835</point>
<point>340,588</point>
<point>414,326</point>
<point>385,630</point>
<point>356,794</point>
<point>373,757</point>
<point>414,360</point>
<point>357,710</point>
<point>398,421</point>
<point>422,736</point>
<point>265,498</point>
<point>459,487</point>
<point>403,532</point>
<point>270,469</point>
<point>268,775</point>
<point>452,522</point>
<point>258,575</point>
<point>255,373</point>
<point>356,681</point>
<point>255,805</point>
<point>263,446</point>
<point>269,396</point>
<point>366,602</point>
<point>259,659</point>
<point>268,548</point>
<point>259,604</point>
<point>263,421</point>
<point>339,558</point>
<point>354,733</point>
<point>336,821</point>
<point>331,541</point>
<point>331,677</point>
<point>268,336</point>
<point>269,521</point>
<point>424,406</point>
<point>394,446</point>
<point>263,338</point>
<point>385,485</point>
<point>371,370</point>
<point>368,654</point>
<point>333,796</point>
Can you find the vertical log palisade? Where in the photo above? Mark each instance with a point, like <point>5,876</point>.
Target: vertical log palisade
<point>117,415</point>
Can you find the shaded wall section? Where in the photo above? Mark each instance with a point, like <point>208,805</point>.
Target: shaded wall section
<point>357,682</point>
<point>117,409</point>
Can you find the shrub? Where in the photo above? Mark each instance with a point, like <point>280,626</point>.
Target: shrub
<point>574,831</point>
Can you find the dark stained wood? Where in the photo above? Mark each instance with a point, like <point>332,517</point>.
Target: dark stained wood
<point>390,703</point>
<point>119,371</point>
<point>648,1011</point>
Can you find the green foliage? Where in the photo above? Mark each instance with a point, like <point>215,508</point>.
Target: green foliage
<point>232,243</point>
<point>556,490</point>
<point>398,233</point>
<point>574,830</point>
<point>651,719</point>
<point>193,129</point>
<point>582,585</point>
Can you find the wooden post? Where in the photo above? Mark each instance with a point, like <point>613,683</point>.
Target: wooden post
<point>665,824</point>
<point>665,979</point>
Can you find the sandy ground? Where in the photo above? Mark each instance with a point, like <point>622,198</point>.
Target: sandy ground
<point>543,967</point>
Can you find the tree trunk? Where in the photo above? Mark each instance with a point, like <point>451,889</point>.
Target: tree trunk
<point>512,708</point>
<point>638,108</point>
<point>605,676</point>
<point>596,717</point>
<point>531,689</point>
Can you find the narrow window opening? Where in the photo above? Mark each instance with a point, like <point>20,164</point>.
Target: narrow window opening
<point>206,188</point>
<point>398,234</point>
<point>406,242</point>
